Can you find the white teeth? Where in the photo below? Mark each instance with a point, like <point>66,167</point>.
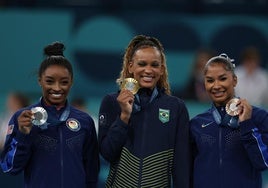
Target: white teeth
<point>146,78</point>
<point>56,95</point>
<point>218,93</point>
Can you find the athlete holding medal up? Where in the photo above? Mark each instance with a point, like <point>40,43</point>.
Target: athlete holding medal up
<point>53,143</point>
<point>230,139</point>
<point>143,129</point>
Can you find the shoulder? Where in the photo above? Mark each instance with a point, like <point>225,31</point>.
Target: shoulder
<point>75,110</point>
<point>259,113</point>
<point>174,100</point>
<point>109,99</point>
<point>204,115</point>
<point>110,96</point>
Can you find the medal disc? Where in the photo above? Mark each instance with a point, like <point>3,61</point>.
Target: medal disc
<point>130,84</point>
<point>231,107</point>
<point>39,115</point>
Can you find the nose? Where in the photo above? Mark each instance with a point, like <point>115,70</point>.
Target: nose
<point>148,69</point>
<point>56,86</point>
<point>216,84</point>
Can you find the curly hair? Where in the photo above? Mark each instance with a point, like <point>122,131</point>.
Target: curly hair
<point>139,42</point>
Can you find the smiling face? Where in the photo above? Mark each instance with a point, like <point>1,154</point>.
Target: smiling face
<point>219,83</point>
<point>146,66</point>
<point>56,82</point>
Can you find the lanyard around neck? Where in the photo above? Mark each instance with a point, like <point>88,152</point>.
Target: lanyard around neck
<point>231,121</point>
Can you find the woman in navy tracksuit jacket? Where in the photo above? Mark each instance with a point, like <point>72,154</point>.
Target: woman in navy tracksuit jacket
<point>62,151</point>
<point>229,150</point>
<point>145,136</point>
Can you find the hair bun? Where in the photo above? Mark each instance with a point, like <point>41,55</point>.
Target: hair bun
<point>56,48</point>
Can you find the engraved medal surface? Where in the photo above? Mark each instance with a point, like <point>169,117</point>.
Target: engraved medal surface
<point>39,116</point>
<point>130,84</point>
<point>231,107</point>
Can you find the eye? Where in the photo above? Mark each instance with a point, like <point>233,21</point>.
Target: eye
<point>49,81</point>
<point>156,64</point>
<point>209,80</point>
<point>223,78</point>
<point>65,82</point>
<point>142,63</point>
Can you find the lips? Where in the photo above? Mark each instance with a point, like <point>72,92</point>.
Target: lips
<point>56,95</point>
<point>218,93</point>
<point>147,78</point>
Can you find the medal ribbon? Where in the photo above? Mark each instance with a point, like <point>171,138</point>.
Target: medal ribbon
<point>54,121</point>
<point>231,121</point>
<point>137,106</point>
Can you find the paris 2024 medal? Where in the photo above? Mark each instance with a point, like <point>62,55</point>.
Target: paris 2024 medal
<point>131,84</point>
<point>39,116</point>
<point>231,107</point>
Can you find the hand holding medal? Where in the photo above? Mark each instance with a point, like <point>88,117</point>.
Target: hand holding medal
<point>125,99</point>
<point>130,84</point>
<point>36,116</point>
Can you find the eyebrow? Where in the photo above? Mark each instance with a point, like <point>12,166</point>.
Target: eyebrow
<point>224,74</point>
<point>51,77</point>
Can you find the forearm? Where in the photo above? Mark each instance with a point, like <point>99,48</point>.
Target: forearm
<point>113,139</point>
<point>255,143</point>
<point>16,153</point>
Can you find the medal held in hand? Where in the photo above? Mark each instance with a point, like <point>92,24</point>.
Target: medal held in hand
<point>130,84</point>
<point>231,107</point>
<point>39,116</point>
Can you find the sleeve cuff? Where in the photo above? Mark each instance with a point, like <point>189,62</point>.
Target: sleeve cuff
<point>118,122</point>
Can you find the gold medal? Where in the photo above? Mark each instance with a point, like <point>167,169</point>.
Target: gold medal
<point>130,84</point>
<point>39,115</point>
<point>231,107</point>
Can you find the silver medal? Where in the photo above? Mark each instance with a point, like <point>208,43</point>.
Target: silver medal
<point>39,116</point>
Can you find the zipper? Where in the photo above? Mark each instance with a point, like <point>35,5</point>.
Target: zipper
<point>142,145</point>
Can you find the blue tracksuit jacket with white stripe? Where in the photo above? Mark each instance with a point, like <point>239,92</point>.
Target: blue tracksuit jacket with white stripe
<point>229,157</point>
<point>63,155</point>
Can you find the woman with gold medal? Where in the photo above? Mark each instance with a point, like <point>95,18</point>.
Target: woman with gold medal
<point>143,129</point>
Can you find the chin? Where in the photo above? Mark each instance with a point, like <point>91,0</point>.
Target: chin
<point>56,102</point>
<point>147,85</point>
<point>220,102</point>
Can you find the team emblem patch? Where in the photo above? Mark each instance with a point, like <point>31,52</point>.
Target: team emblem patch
<point>10,129</point>
<point>73,124</point>
<point>163,115</point>
<point>102,119</point>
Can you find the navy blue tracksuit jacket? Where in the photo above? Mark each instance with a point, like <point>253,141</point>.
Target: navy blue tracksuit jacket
<point>62,155</point>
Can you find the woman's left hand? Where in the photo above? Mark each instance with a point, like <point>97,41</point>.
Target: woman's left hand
<point>245,110</point>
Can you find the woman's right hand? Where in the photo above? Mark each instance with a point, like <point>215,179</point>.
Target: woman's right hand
<point>25,121</point>
<point>125,100</point>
